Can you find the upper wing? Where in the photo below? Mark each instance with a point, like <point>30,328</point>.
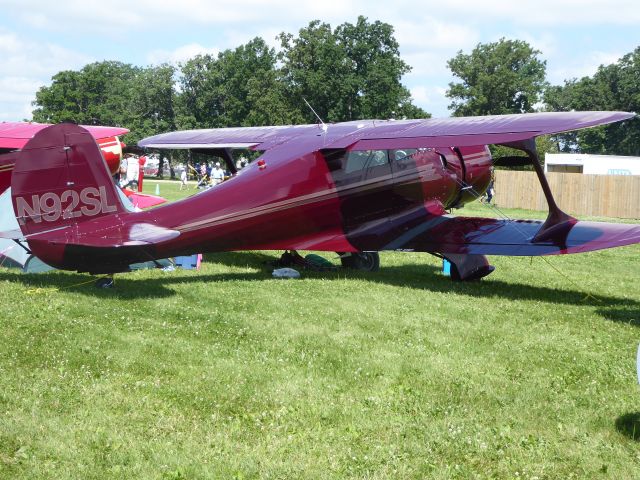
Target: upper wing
<point>240,137</point>
<point>470,131</point>
<point>370,134</point>
<point>14,135</point>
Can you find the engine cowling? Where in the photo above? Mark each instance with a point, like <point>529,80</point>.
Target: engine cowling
<point>472,167</point>
<point>111,149</point>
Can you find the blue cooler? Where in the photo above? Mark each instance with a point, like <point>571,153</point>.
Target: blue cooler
<point>446,267</point>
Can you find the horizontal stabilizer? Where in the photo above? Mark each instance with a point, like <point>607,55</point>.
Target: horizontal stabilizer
<point>137,234</point>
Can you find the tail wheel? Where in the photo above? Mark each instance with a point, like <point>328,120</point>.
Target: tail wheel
<point>364,261</point>
<point>105,282</point>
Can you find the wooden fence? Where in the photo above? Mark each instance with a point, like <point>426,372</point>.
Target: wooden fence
<point>575,193</point>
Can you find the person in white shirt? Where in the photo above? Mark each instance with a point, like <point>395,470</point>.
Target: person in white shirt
<point>217,174</point>
<point>183,178</point>
<point>132,171</point>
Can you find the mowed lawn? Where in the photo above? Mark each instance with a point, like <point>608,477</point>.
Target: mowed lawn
<point>228,373</point>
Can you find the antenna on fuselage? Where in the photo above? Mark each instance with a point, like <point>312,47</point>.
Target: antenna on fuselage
<point>324,125</point>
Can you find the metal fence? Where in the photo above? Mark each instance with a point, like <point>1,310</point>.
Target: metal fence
<point>575,193</point>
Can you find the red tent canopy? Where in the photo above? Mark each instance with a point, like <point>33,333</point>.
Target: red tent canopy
<point>14,135</point>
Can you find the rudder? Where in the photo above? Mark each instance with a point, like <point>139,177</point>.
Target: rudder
<point>60,179</point>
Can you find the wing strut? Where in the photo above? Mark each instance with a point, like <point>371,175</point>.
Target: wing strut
<point>557,220</point>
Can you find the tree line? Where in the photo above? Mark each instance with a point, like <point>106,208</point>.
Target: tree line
<point>350,72</point>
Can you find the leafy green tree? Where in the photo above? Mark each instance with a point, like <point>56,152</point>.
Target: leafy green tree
<point>248,72</point>
<point>377,70</point>
<point>612,87</point>
<point>349,73</point>
<point>235,88</point>
<point>112,93</point>
<point>315,68</point>
<point>199,104</point>
<point>269,104</point>
<point>61,101</point>
<point>152,106</point>
<point>99,94</point>
<point>496,78</point>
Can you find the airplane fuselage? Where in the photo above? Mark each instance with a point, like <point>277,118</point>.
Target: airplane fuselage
<point>336,200</point>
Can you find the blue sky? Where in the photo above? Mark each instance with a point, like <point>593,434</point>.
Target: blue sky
<point>40,38</point>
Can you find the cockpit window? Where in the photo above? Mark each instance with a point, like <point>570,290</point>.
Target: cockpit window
<point>363,159</point>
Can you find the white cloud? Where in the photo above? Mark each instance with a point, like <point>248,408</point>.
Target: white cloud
<point>14,89</point>
<point>16,95</point>
<point>546,42</point>
<point>115,15</point>
<point>431,98</point>
<point>584,66</point>
<point>538,13</point>
<point>427,44</point>
<point>180,54</point>
<point>26,66</point>
<point>420,95</point>
<point>41,37</point>
<point>428,64</point>
<point>236,37</point>
<point>30,58</point>
<point>427,33</point>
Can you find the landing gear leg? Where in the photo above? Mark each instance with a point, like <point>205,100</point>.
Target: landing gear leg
<point>465,268</point>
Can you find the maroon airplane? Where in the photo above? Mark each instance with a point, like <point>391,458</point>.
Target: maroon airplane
<point>355,188</point>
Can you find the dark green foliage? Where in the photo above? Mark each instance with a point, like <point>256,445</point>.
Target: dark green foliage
<point>497,78</point>
<point>349,73</point>
<point>100,93</point>
<point>238,88</point>
<point>111,93</point>
<point>612,87</point>
<point>152,107</point>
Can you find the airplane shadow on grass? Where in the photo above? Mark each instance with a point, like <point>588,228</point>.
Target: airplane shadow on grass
<point>417,276</point>
<point>629,425</point>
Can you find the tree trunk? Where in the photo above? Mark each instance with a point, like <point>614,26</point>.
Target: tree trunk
<point>160,166</point>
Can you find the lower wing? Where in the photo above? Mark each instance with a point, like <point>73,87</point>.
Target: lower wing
<point>489,236</point>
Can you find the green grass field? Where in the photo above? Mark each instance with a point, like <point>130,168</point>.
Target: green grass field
<point>227,373</point>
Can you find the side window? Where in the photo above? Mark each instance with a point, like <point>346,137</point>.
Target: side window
<point>363,159</point>
<point>402,154</point>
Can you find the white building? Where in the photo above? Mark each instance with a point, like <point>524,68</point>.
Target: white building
<point>591,164</point>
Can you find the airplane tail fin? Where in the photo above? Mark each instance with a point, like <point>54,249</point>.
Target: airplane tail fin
<point>60,179</point>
